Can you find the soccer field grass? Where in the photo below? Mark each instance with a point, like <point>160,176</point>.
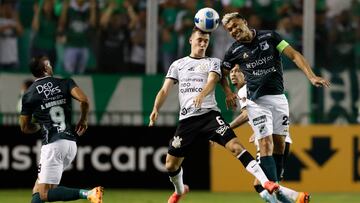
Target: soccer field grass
<point>157,196</point>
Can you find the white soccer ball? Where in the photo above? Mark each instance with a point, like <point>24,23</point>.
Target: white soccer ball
<point>207,19</point>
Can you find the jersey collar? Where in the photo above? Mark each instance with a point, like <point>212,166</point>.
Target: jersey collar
<point>197,58</point>
<point>42,78</point>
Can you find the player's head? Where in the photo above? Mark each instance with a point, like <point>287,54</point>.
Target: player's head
<point>199,41</point>
<point>237,77</point>
<point>237,26</point>
<point>40,66</point>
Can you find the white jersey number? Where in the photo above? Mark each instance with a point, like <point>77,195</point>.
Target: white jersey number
<point>219,120</point>
<point>57,115</point>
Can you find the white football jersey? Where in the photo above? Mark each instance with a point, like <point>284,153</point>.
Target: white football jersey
<point>192,75</point>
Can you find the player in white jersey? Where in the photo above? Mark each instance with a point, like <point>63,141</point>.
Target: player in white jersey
<point>200,118</point>
<point>238,80</point>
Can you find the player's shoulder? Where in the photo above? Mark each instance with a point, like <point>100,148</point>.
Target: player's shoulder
<point>213,59</point>
<point>234,47</point>
<point>265,34</point>
<point>181,61</point>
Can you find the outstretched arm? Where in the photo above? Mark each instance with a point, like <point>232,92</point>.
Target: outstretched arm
<point>79,95</point>
<point>301,63</point>
<point>160,99</point>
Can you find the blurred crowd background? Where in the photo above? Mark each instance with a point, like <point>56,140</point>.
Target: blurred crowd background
<point>109,36</point>
<point>102,43</point>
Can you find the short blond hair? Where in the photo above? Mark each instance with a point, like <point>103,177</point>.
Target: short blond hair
<point>229,16</point>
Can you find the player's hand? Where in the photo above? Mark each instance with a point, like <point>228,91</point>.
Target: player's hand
<point>81,127</point>
<point>230,100</point>
<point>319,82</point>
<point>252,138</point>
<point>153,117</point>
<point>198,101</point>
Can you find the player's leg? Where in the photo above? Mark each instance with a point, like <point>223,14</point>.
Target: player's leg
<point>278,154</point>
<point>260,119</point>
<point>179,146</point>
<point>220,132</point>
<point>36,194</point>
<point>298,197</point>
<point>235,147</point>
<point>54,158</point>
<point>281,122</point>
<point>264,194</point>
<point>175,172</point>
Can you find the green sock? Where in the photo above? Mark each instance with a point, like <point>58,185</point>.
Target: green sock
<point>83,194</point>
<point>268,165</point>
<point>36,198</point>
<point>63,194</point>
<point>279,162</point>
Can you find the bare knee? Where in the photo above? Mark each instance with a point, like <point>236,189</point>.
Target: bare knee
<point>43,189</point>
<point>173,163</point>
<point>43,195</point>
<point>171,167</point>
<point>234,146</point>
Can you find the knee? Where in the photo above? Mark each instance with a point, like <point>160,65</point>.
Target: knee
<point>171,166</point>
<point>234,147</point>
<point>43,195</point>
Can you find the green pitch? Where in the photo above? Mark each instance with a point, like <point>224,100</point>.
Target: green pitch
<point>156,196</point>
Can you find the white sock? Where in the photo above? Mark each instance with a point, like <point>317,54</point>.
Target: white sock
<point>178,182</point>
<point>291,194</point>
<point>254,168</point>
<point>265,195</point>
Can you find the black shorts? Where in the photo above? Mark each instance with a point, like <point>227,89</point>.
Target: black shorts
<point>209,126</point>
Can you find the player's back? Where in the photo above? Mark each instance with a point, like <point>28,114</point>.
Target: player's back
<point>48,100</point>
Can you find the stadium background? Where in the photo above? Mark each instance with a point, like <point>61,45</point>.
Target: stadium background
<point>121,88</point>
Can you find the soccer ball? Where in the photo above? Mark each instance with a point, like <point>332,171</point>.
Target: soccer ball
<point>206,19</point>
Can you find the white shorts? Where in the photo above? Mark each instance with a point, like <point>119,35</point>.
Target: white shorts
<point>54,159</point>
<point>269,115</point>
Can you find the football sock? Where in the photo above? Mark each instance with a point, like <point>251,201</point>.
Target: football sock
<point>63,194</point>
<point>291,194</point>
<point>36,198</point>
<point>279,161</point>
<point>177,179</point>
<point>267,163</point>
<point>282,197</point>
<point>83,193</point>
<point>264,194</point>
<point>252,166</point>
<point>258,188</point>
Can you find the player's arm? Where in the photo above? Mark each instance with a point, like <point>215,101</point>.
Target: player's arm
<point>79,95</point>
<point>302,64</point>
<point>27,126</point>
<point>230,96</point>
<point>160,99</point>
<point>212,80</point>
<point>240,119</point>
